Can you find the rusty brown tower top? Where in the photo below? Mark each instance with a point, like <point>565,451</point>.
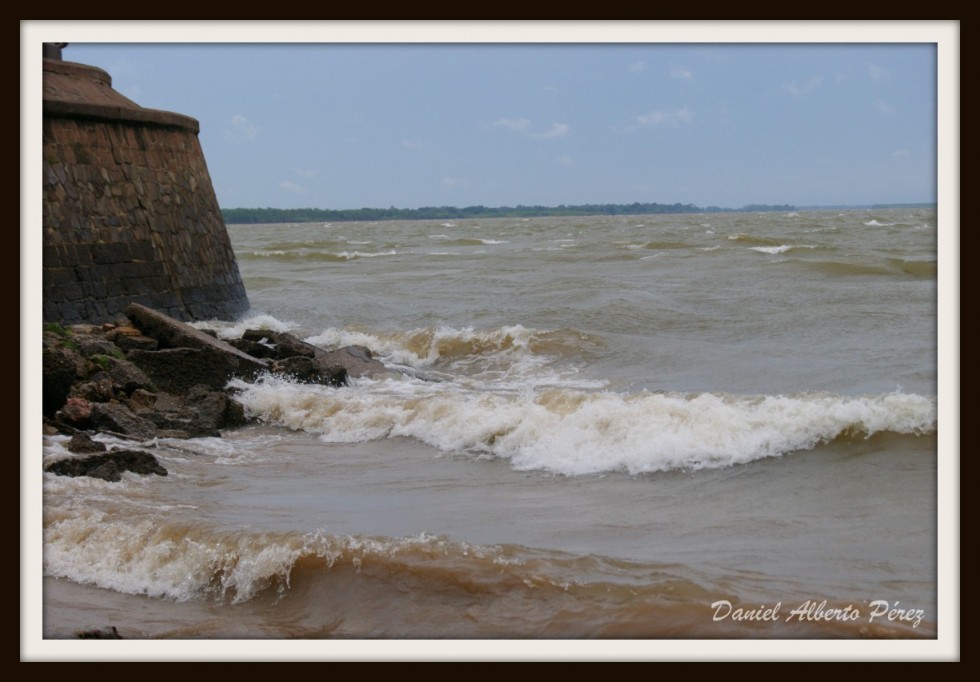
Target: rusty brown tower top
<point>130,214</point>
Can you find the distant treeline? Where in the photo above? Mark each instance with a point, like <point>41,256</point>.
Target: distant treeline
<point>313,215</point>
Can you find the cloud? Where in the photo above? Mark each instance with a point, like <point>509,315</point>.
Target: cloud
<point>680,72</point>
<point>519,124</point>
<point>885,108</point>
<point>900,154</point>
<point>637,67</point>
<point>523,125</point>
<point>656,118</point>
<point>874,71</point>
<point>556,130</point>
<point>241,129</point>
<point>412,144</point>
<point>565,160</point>
<point>799,89</point>
<point>450,182</point>
<point>305,172</point>
<point>291,187</point>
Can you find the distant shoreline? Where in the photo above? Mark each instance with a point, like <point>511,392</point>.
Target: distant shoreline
<point>244,216</point>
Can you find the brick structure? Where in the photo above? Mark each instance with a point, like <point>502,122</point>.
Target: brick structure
<point>129,212</point>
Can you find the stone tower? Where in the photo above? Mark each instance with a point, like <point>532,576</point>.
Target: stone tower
<point>129,211</point>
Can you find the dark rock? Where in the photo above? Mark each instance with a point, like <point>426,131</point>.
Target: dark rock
<point>215,408</point>
<point>171,333</point>
<point>357,360</point>
<point>82,443</point>
<point>177,370</point>
<point>128,343</point>
<point>120,420</point>
<point>105,633</point>
<point>76,412</point>
<point>283,345</point>
<point>234,414</point>
<point>129,338</point>
<point>311,370</point>
<point>99,389</point>
<point>256,349</point>
<point>202,412</point>
<point>141,400</point>
<point>308,363</point>
<point>83,329</point>
<point>61,365</point>
<point>95,345</point>
<point>126,376</point>
<point>109,466</point>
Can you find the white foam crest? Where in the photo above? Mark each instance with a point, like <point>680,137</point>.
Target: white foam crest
<point>575,432</point>
<point>146,557</point>
<point>234,330</point>
<point>351,255</point>
<point>420,348</point>
<point>771,249</point>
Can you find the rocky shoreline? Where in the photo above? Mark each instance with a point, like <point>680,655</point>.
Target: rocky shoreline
<point>147,375</point>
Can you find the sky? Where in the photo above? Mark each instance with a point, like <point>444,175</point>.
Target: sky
<point>340,125</point>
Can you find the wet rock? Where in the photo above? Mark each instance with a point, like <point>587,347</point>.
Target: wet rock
<point>202,412</point>
<point>310,370</point>
<point>310,363</point>
<point>118,419</point>
<point>61,366</point>
<point>76,412</point>
<point>177,370</point>
<point>125,375</point>
<point>357,360</point>
<point>109,466</point>
<point>98,389</point>
<point>281,345</point>
<point>171,333</point>
<point>89,346</point>
<point>82,443</point>
<point>105,633</point>
<point>129,338</point>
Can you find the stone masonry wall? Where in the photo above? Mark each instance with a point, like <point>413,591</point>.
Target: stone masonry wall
<point>130,215</point>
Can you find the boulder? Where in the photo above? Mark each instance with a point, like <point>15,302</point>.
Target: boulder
<point>215,408</point>
<point>171,333</point>
<point>177,370</point>
<point>109,466</point>
<point>120,420</point>
<point>76,412</point>
<point>310,363</point>
<point>109,632</point>
<point>309,370</point>
<point>89,345</point>
<point>357,360</point>
<point>130,338</point>
<point>82,443</point>
<point>202,412</point>
<point>281,345</point>
<point>98,389</point>
<point>125,375</point>
<point>61,365</point>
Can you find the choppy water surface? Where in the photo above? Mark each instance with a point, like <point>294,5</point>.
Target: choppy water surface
<point>613,427</point>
